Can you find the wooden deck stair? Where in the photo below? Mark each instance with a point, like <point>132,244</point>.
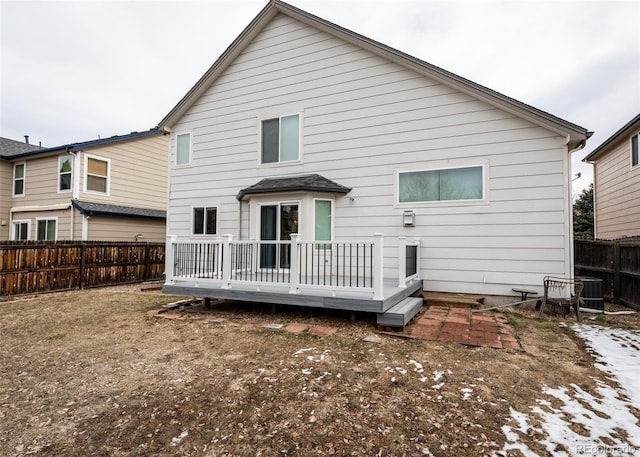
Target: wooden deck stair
<point>453,300</point>
<point>401,313</point>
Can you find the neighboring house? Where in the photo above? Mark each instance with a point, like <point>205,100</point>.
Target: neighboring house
<point>616,172</point>
<point>302,126</point>
<point>112,189</point>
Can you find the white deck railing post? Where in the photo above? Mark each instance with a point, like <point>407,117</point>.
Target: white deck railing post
<point>378,266</point>
<point>169,260</point>
<point>218,253</point>
<point>226,261</point>
<point>294,264</point>
<point>417,241</point>
<point>402,262</point>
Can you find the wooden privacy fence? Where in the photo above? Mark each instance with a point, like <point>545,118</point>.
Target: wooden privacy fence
<point>38,266</point>
<point>617,263</point>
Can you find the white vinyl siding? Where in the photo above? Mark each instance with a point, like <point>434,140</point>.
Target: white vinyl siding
<point>365,117</point>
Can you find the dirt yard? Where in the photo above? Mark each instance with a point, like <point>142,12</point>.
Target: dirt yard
<point>87,373</point>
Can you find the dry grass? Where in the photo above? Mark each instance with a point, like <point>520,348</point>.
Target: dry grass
<point>86,373</point>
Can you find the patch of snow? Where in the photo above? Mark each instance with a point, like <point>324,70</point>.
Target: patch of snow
<point>606,419</point>
<point>176,440</point>
<point>466,393</point>
<point>437,375</point>
<point>306,371</point>
<point>418,366</point>
<point>438,386</point>
<point>302,351</point>
<point>401,370</point>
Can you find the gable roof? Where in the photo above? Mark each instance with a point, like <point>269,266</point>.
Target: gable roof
<point>313,182</point>
<point>102,209</point>
<point>78,146</point>
<point>11,148</point>
<point>628,128</point>
<point>576,135</point>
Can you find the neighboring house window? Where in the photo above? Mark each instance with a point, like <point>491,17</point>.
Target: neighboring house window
<point>65,165</point>
<point>449,184</point>
<point>183,149</point>
<point>205,220</point>
<point>281,139</point>
<point>20,230</point>
<point>18,179</point>
<point>634,149</point>
<point>46,230</point>
<point>97,174</point>
<point>322,222</point>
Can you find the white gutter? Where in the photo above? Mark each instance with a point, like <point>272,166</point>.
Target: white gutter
<point>22,209</point>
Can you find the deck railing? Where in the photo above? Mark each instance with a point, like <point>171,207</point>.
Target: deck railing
<point>356,265</point>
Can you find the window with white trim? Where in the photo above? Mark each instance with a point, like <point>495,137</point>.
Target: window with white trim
<point>205,220</point>
<point>20,230</point>
<point>97,171</point>
<point>19,171</point>
<point>322,222</point>
<point>46,229</point>
<point>65,172</point>
<point>635,139</point>
<point>440,185</point>
<point>183,149</point>
<point>280,139</point>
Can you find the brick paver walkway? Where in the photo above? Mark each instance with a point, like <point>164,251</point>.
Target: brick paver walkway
<point>460,325</point>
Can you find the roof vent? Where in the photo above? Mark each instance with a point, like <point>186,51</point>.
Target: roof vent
<point>26,139</point>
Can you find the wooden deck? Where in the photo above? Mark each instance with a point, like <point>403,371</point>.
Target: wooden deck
<point>349,300</point>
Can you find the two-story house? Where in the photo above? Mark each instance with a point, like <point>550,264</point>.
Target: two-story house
<point>333,164</point>
<point>616,176</point>
<point>112,189</point>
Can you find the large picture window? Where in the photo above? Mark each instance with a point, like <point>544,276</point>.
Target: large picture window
<point>97,174</point>
<point>448,184</point>
<point>634,149</point>
<point>18,179</point>
<point>205,220</point>
<point>281,139</point>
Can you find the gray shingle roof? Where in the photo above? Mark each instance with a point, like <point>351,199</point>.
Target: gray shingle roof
<point>103,209</point>
<point>9,148</point>
<point>312,183</point>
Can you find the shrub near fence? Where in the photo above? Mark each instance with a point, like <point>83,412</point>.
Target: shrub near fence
<point>38,266</point>
<point>617,263</point>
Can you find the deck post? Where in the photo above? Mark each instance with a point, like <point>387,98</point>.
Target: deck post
<point>417,241</point>
<point>378,266</point>
<point>169,260</point>
<point>218,253</point>
<point>402,262</point>
<point>226,261</point>
<point>294,264</point>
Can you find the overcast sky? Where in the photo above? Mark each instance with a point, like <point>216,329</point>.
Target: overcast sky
<point>74,71</point>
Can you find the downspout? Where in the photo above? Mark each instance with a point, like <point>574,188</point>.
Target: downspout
<point>571,272</point>
<point>74,172</point>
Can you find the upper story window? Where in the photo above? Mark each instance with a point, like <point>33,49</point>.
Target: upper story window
<point>97,174</point>
<point>448,184</point>
<point>65,171</point>
<point>18,179</point>
<point>205,220</point>
<point>280,139</point>
<point>183,149</point>
<point>634,149</point>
